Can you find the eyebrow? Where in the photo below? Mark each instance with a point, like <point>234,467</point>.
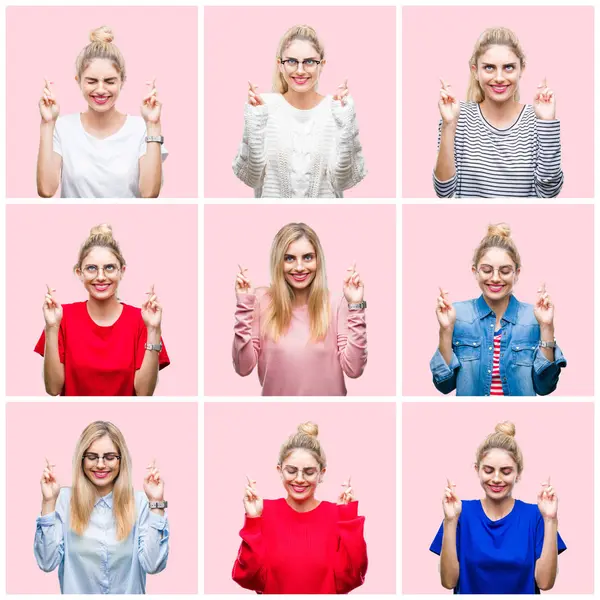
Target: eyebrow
<point>504,467</point>
<point>488,265</point>
<point>513,64</point>
<point>299,59</point>
<point>103,78</point>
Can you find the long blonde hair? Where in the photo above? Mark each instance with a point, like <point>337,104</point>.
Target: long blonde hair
<point>83,495</point>
<point>279,311</point>
<point>298,32</point>
<point>101,46</point>
<point>495,36</point>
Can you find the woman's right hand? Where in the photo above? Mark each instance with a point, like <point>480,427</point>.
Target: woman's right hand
<point>253,97</point>
<point>451,503</point>
<point>253,503</point>
<point>50,487</point>
<point>448,104</point>
<point>49,109</point>
<point>243,285</point>
<point>53,311</point>
<point>445,312</point>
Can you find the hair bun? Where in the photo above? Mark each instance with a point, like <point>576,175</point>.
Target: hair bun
<point>507,428</point>
<point>309,428</point>
<point>102,229</point>
<point>499,229</point>
<point>103,35</point>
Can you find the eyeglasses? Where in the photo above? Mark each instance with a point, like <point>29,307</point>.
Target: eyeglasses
<point>308,64</point>
<point>108,459</point>
<point>487,271</point>
<point>92,271</point>
<point>308,474</point>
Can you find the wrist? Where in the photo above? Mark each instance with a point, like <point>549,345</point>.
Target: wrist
<point>153,333</point>
<point>47,125</point>
<point>51,329</point>
<point>547,333</point>
<point>48,506</point>
<point>446,333</point>
<point>449,126</point>
<point>153,129</point>
<point>450,522</point>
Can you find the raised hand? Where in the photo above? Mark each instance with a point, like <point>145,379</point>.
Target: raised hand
<point>354,289</point>
<point>547,501</point>
<point>53,311</point>
<point>152,310</point>
<point>243,285</point>
<point>50,486</point>
<point>151,107</point>
<point>445,312</point>
<point>253,97</point>
<point>253,503</point>
<point>154,486</point>
<point>448,104</point>
<point>543,308</point>
<point>544,102</point>
<point>451,502</point>
<point>347,494</point>
<point>342,92</point>
<point>49,109</point>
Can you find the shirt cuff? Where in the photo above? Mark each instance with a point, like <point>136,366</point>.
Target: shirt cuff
<point>439,369</point>
<point>49,519</point>
<point>541,363</point>
<point>157,521</point>
<point>347,512</point>
<point>252,524</point>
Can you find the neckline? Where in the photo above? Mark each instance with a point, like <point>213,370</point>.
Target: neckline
<point>122,128</point>
<point>87,312</point>
<point>504,129</point>
<point>303,110</point>
<point>497,521</point>
<point>306,512</point>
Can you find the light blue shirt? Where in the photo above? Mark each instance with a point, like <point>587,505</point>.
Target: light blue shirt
<point>96,562</point>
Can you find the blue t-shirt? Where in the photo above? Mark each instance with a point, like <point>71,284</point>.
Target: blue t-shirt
<point>497,557</point>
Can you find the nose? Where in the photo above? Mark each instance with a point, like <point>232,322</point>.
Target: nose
<point>300,68</point>
<point>299,474</point>
<point>101,275</point>
<point>100,458</point>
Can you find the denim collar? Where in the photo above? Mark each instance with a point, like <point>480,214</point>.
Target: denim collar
<point>483,310</point>
<point>108,500</point>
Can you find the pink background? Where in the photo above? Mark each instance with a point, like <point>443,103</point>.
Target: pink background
<point>239,234</point>
<point>556,244</point>
<point>247,52</point>
<point>156,42</point>
<point>428,54</point>
<point>167,432</point>
<point>440,441</point>
<point>159,244</point>
<point>359,440</point>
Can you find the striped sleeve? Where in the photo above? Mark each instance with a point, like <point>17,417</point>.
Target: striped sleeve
<point>548,173</point>
<point>444,189</point>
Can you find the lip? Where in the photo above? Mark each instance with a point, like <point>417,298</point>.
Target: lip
<point>495,288</point>
<point>299,489</point>
<point>101,287</point>
<point>300,276</point>
<point>100,99</point>
<point>101,474</point>
<point>300,80</point>
<point>496,488</point>
<point>499,89</point>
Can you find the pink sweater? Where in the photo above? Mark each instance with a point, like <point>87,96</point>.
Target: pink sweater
<point>295,365</point>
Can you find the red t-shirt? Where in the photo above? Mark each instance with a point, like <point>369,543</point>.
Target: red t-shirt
<point>101,361</point>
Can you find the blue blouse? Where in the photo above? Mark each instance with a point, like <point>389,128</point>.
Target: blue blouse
<point>96,562</point>
<point>524,370</point>
<point>497,557</point>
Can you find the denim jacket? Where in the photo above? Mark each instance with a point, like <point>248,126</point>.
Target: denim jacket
<point>524,370</point>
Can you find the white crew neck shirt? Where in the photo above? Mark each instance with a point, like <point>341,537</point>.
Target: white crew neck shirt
<point>100,168</point>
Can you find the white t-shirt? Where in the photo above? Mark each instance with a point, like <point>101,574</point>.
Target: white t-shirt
<point>100,168</point>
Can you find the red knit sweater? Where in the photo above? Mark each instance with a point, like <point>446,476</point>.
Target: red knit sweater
<point>322,551</point>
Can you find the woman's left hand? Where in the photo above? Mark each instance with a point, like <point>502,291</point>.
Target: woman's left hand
<point>342,92</point>
<point>547,501</point>
<point>544,309</point>
<point>154,486</point>
<point>152,310</point>
<point>544,103</point>
<point>151,107</point>
<point>354,290</point>
<point>347,494</point>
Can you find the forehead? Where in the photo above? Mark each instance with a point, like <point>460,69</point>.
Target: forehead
<point>496,257</point>
<point>301,49</point>
<point>301,459</point>
<point>100,256</point>
<point>101,445</point>
<point>498,55</point>
<point>100,68</point>
<point>300,247</point>
<point>498,459</point>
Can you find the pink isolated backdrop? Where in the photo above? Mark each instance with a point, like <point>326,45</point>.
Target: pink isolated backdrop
<point>429,54</point>
<point>167,432</point>
<point>439,441</point>
<point>228,459</point>
<point>161,42</point>
<point>240,234</point>
<point>159,243</point>
<point>556,244</point>
<point>247,52</point>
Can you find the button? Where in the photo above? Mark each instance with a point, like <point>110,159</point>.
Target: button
<point>491,324</point>
<point>517,347</point>
<point>474,343</point>
<point>489,371</point>
<point>490,347</point>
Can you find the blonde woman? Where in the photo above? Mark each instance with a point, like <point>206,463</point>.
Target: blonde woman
<point>101,347</point>
<point>298,143</point>
<point>100,153</point>
<point>301,339</point>
<point>499,545</point>
<point>103,537</point>
<point>298,544</point>
<point>493,145</point>
<point>495,345</point>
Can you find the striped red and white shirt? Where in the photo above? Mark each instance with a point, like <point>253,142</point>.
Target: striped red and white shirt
<point>496,387</point>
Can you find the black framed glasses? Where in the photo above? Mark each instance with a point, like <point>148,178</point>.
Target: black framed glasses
<point>109,458</point>
<point>292,64</point>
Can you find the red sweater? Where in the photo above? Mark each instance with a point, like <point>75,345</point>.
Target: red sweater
<point>322,551</point>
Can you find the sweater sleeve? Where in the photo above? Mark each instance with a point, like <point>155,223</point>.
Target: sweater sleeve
<point>246,340</point>
<point>250,163</point>
<point>249,569</point>
<point>350,166</point>
<point>444,189</point>
<point>351,558</point>
<point>352,340</point>
<point>548,175</point>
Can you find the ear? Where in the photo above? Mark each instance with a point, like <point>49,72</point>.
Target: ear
<point>474,70</point>
<point>79,274</point>
<point>517,273</point>
<point>123,269</point>
<point>323,63</point>
<point>476,467</point>
<point>474,270</point>
<point>279,471</point>
<point>321,475</point>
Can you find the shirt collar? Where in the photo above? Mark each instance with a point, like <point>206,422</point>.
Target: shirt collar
<point>108,500</point>
<point>483,310</point>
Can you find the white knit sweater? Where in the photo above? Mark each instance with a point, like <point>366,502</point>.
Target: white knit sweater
<point>291,153</point>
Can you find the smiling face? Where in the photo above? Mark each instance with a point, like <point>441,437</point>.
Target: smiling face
<point>104,471</point>
<point>496,274</point>
<point>100,273</point>
<point>300,474</point>
<point>498,71</point>
<point>100,85</point>
<point>497,474</point>
<point>302,72</point>
<point>300,264</point>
